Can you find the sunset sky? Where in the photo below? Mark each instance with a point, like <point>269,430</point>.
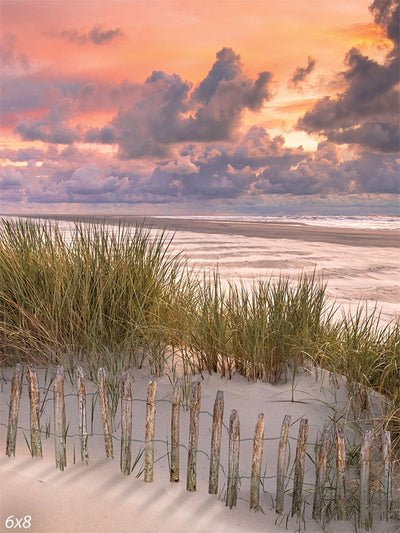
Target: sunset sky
<point>206,106</point>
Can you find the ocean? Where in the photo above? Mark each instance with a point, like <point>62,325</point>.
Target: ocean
<point>375,222</point>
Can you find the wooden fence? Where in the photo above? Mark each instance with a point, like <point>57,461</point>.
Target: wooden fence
<point>365,510</point>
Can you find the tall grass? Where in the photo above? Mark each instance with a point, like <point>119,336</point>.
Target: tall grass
<point>114,297</point>
<point>368,355</point>
<point>255,330</point>
<point>97,296</point>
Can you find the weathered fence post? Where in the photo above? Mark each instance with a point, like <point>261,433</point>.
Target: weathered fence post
<point>176,404</point>
<point>365,463</point>
<point>59,419</point>
<point>81,392</point>
<point>321,474</point>
<point>195,398</point>
<point>150,424</point>
<point>34,396</point>
<point>256,465</point>
<point>299,467</point>
<point>126,423</point>
<point>233,459</point>
<point>341,474</point>
<point>387,481</point>
<point>280,481</point>
<point>105,412</point>
<point>15,396</point>
<point>216,442</point>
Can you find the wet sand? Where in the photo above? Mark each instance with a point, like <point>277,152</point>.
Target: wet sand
<point>267,230</point>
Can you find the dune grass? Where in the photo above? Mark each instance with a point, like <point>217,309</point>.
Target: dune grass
<point>257,330</point>
<point>99,296</point>
<point>115,297</point>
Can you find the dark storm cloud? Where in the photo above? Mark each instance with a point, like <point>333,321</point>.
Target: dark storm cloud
<point>227,67</point>
<point>96,35</point>
<point>387,14</point>
<point>167,113</point>
<point>46,131</point>
<point>366,113</point>
<point>301,73</point>
<point>104,135</point>
<point>383,137</point>
<point>376,173</point>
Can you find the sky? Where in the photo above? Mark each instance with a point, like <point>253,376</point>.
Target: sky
<point>199,107</point>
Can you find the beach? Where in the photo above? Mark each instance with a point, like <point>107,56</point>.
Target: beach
<point>98,498</point>
<point>358,265</point>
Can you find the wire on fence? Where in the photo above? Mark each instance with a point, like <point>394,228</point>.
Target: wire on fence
<point>232,477</point>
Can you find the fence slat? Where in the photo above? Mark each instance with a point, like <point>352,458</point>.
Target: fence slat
<point>216,442</point>
<point>150,425</point>
<point>321,474</point>
<point>81,393</point>
<point>195,399</point>
<point>280,481</point>
<point>126,423</point>
<point>387,481</point>
<point>34,396</point>
<point>258,446</point>
<point>299,467</point>
<point>105,412</point>
<point>59,419</point>
<point>233,459</point>
<point>15,396</point>
<point>176,401</point>
<point>365,463</point>
<point>341,474</point>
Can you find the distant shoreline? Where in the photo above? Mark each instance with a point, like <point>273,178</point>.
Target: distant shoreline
<point>264,229</point>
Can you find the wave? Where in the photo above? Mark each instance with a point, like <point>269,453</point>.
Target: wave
<point>376,222</point>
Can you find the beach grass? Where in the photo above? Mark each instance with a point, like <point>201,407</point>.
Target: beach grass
<point>113,297</point>
<point>97,296</point>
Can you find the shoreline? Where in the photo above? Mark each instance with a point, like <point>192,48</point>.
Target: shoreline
<point>296,231</point>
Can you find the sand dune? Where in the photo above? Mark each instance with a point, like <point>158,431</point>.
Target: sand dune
<point>99,498</point>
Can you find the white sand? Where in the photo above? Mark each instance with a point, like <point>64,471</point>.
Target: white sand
<point>99,498</point>
<point>353,273</point>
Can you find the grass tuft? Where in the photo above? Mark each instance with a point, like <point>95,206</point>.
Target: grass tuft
<point>114,297</point>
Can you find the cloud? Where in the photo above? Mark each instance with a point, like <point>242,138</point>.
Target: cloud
<point>227,67</point>
<point>96,35</point>
<point>104,135</point>
<point>10,178</point>
<point>23,154</point>
<point>182,166</point>
<point>376,173</point>
<point>366,113</point>
<point>47,131</point>
<point>387,14</point>
<point>253,171</point>
<point>379,136</point>
<point>151,118</point>
<point>302,73</point>
<point>53,127</point>
<point>8,55</point>
<point>169,113</point>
